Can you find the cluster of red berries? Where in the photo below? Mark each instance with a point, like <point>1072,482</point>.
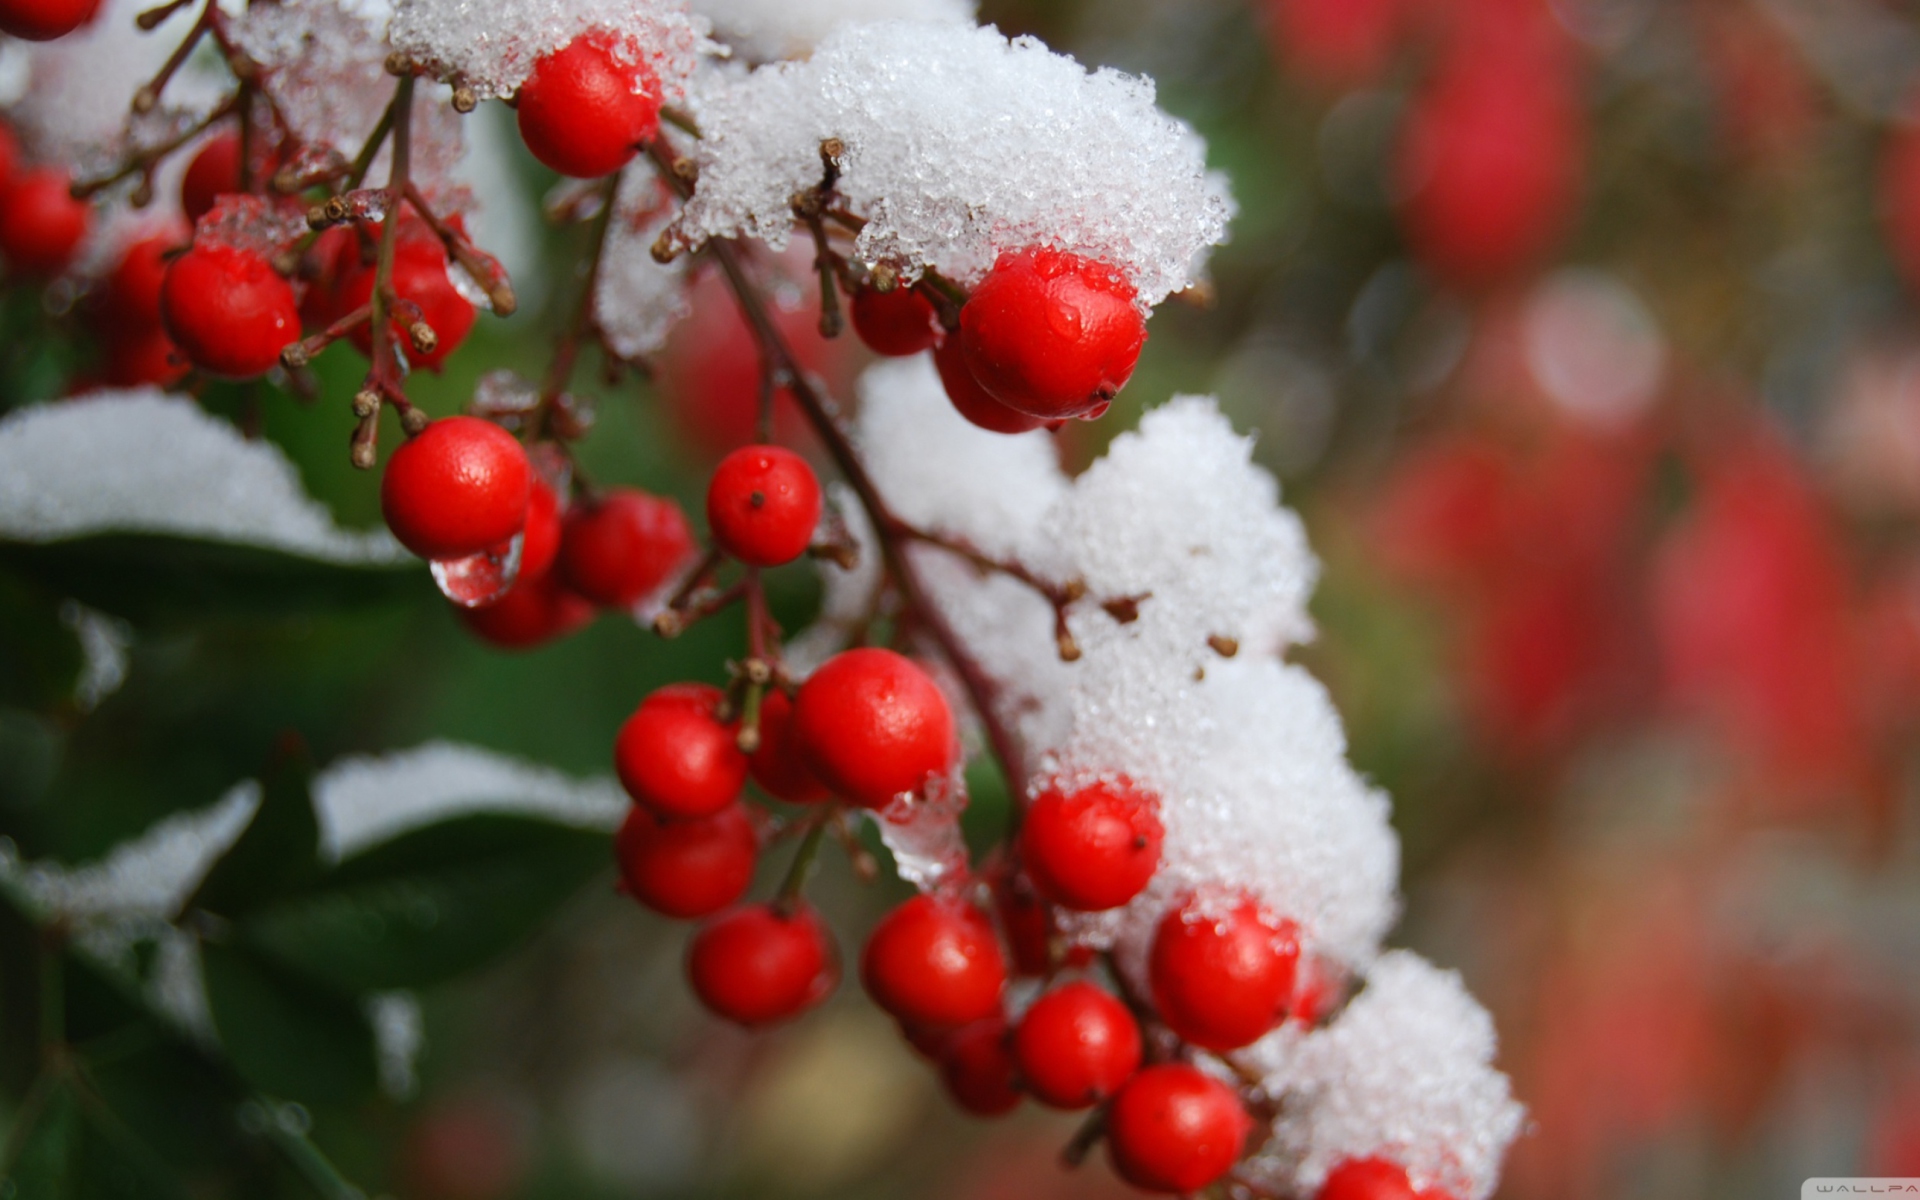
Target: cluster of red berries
<point>1046,336</point>
<point>465,487</point>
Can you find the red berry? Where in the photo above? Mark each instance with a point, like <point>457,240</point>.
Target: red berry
<point>1172,1128</point>
<point>1076,1046</point>
<point>335,257</point>
<point>895,323</point>
<point>1490,166</point>
<point>213,173</point>
<point>540,538</point>
<point>1052,334</point>
<point>584,112</point>
<point>1373,1179</point>
<point>532,612</point>
<point>934,962</point>
<point>1024,917</point>
<point>676,757</point>
<point>41,224</point>
<point>762,505</point>
<point>461,487</point>
<point>130,295</point>
<point>621,546</point>
<point>778,765</point>
<point>420,275</point>
<point>138,356</point>
<point>756,965</point>
<point>873,725</point>
<point>1092,847</point>
<point>44,20</point>
<point>970,400</point>
<point>690,867</point>
<point>977,1068</point>
<point>1221,980</point>
<point>230,312</point>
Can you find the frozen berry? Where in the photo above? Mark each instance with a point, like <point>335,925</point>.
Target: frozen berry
<point>970,400</point>
<point>459,488</point>
<point>1052,334</point>
<point>934,962</point>
<point>1076,1045</point>
<point>757,965</point>
<point>584,112</point>
<point>688,867</point>
<point>621,546</point>
<point>531,613</point>
<point>41,224</point>
<point>1173,1128</point>
<point>232,314</point>
<point>762,505</point>
<point>9,155</point>
<point>873,725</point>
<point>1373,1179</point>
<point>895,323</point>
<point>45,20</point>
<point>420,275</point>
<point>213,173</point>
<point>978,1069</point>
<point>675,756</point>
<point>1221,979</point>
<point>778,765</point>
<point>1091,847</point>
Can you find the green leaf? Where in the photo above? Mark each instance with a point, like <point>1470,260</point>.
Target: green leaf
<point>429,904</point>
<point>289,1036</point>
<point>278,852</point>
<point>165,579</point>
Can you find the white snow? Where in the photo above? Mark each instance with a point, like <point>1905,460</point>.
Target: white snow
<point>961,145</point>
<point>141,461</point>
<point>1246,754</point>
<point>1404,1074</point>
<point>636,300</point>
<point>764,30</point>
<point>492,45</point>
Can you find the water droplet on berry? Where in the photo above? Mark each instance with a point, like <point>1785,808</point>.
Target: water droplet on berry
<point>479,579</point>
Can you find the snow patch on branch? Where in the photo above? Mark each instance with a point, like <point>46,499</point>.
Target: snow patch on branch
<point>961,145</point>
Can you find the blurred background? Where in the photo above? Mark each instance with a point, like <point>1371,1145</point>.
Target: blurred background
<point>1583,333</point>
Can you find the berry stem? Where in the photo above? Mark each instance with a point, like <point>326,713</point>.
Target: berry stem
<point>385,375</point>
<point>1059,595</point>
<point>803,858</point>
<point>481,267</point>
<point>145,160</point>
<point>148,94</point>
<point>1085,1138</point>
<point>566,350</point>
<point>363,162</point>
